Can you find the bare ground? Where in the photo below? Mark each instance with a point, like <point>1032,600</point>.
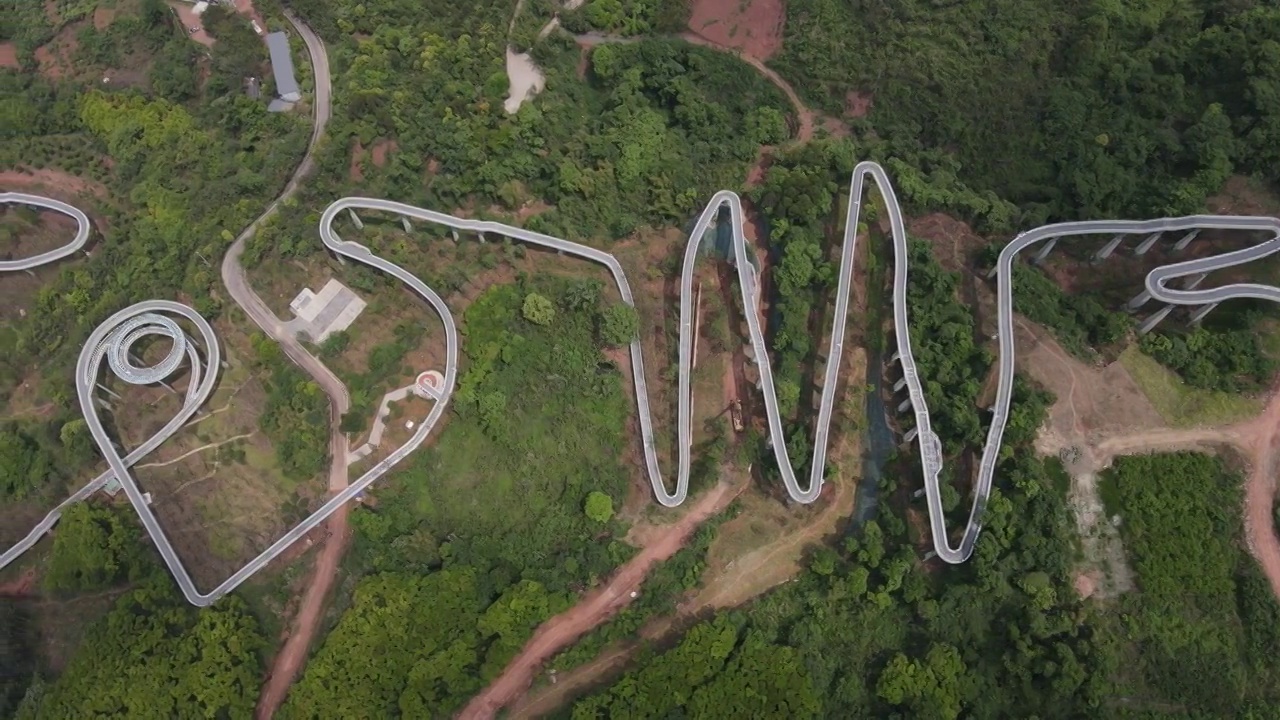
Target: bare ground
<point>56,183</point>
<point>751,26</point>
<point>596,607</point>
<point>1101,413</point>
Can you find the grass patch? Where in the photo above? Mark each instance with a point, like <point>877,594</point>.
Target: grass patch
<point>1058,474</point>
<point>537,424</point>
<point>1109,494</point>
<point>1180,404</point>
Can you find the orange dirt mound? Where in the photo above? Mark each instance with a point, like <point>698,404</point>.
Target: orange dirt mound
<point>751,26</point>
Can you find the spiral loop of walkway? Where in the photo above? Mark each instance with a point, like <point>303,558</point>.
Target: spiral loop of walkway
<point>77,242</point>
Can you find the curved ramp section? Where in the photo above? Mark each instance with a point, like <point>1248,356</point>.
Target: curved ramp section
<point>930,445</point>
<point>113,339</point>
<point>77,243</point>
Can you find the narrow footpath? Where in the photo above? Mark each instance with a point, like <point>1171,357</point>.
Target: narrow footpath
<point>596,607</point>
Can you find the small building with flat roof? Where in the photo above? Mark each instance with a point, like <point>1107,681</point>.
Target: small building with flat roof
<point>282,67</point>
<point>320,314</point>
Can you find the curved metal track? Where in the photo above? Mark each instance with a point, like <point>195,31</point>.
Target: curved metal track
<point>40,201</point>
<point>113,338</point>
<point>930,445</point>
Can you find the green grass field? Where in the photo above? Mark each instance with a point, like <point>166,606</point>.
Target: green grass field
<point>1180,404</point>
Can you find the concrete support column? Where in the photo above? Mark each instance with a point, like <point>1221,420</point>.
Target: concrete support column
<point>483,240</point>
<point>1150,323</point>
<point>1044,251</point>
<point>930,555</point>
<point>1145,245</point>
<point>355,218</point>
<point>107,390</point>
<point>405,222</point>
<point>897,355</point>
<point>1140,300</point>
<point>30,272</point>
<point>992,273</point>
<point>1186,240</point>
<point>1109,248</point>
<point>138,361</point>
<point>918,493</point>
<point>1201,311</point>
<point>454,232</point>
<point>905,405</point>
<point>911,435</point>
<point>897,387</point>
<point>1194,282</point>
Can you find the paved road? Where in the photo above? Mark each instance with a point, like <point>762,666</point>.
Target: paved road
<point>237,284</point>
<point>40,201</point>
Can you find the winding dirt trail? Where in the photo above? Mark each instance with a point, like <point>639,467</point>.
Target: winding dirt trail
<point>596,607</point>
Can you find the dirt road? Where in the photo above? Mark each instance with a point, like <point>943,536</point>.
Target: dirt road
<point>288,663</point>
<point>562,630</point>
<point>805,116</point>
<point>1262,436</point>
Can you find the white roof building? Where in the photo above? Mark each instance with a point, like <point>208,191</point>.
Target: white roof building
<point>282,67</point>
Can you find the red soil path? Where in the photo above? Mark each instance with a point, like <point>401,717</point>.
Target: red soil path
<point>1257,439</point>
<point>288,663</point>
<point>1261,438</point>
<point>562,630</point>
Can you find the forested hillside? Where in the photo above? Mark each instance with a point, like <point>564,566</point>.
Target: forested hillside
<point>1071,110</point>
<point>998,113</point>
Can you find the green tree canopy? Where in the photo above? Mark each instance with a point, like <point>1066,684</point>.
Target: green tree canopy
<point>538,309</point>
<point>619,324</point>
<point>599,507</point>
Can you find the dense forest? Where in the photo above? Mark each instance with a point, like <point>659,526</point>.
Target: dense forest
<point>1204,631</point>
<point>1086,109</point>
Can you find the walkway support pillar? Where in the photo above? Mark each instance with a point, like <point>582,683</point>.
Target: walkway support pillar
<point>1150,323</point>
<point>405,222</point>
<point>897,387</point>
<point>1140,300</point>
<point>1044,252</point>
<point>1146,244</point>
<point>1109,248</point>
<point>904,406</point>
<point>1194,282</point>
<point>911,435</point>
<point>1201,312</point>
<point>356,218</point>
<point>1186,240</point>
